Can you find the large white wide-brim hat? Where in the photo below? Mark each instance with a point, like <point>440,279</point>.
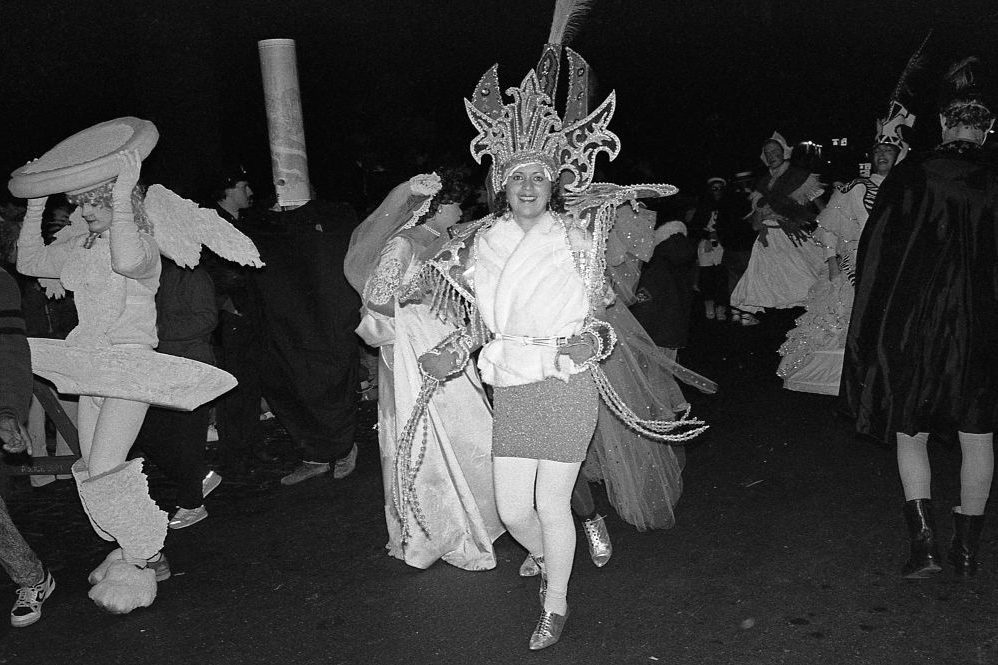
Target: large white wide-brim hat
<point>85,159</point>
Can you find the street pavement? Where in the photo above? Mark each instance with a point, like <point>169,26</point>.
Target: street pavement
<point>787,548</point>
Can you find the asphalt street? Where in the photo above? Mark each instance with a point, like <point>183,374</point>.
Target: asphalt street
<point>787,549</point>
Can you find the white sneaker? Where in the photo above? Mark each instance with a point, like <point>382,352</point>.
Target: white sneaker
<point>28,607</point>
<point>212,433</point>
<point>185,517</point>
<point>210,481</point>
<point>305,471</point>
<point>344,467</point>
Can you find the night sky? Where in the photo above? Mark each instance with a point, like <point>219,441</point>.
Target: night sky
<point>700,83</point>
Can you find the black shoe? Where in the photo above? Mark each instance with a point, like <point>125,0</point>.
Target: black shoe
<point>924,558</point>
<point>966,541</point>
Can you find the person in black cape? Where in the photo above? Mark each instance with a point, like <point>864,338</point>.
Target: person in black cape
<point>922,350</point>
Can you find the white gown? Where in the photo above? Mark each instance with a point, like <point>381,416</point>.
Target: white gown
<point>813,351</point>
<point>778,276</point>
<point>779,273</point>
<point>454,485</point>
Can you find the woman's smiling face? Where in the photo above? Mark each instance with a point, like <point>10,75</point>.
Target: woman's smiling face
<point>528,191</point>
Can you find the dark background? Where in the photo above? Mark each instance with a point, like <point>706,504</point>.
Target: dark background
<point>699,83</point>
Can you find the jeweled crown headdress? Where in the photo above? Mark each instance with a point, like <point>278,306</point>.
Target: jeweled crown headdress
<point>529,129</point>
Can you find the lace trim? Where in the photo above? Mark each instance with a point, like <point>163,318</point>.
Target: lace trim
<point>384,284</point>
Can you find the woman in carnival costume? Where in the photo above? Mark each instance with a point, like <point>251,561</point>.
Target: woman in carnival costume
<point>528,286</point>
<point>785,260</point>
<point>642,476</point>
<point>813,351</point>
<point>386,254</point>
<point>110,258</point>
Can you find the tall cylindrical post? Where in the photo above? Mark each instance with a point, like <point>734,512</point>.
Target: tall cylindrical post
<point>279,67</point>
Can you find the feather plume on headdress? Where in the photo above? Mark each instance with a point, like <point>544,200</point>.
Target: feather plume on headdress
<point>889,127</point>
<point>568,18</point>
<point>915,63</point>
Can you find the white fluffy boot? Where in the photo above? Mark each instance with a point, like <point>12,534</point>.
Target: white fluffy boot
<point>81,474</point>
<point>118,503</point>
<point>120,587</point>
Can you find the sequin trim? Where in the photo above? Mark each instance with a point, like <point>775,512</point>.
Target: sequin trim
<point>384,284</point>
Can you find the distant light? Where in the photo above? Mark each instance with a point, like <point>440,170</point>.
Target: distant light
<point>844,142</point>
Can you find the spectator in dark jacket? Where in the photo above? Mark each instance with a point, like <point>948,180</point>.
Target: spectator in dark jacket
<point>174,441</point>
<point>238,418</point>
<point>665,290</point>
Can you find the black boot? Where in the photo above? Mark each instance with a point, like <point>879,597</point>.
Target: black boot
<point>966,540</point>
<point>924,558</point>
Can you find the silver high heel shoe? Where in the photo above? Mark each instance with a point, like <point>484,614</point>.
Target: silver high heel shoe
<point>529,567</point>
<point>542,591</point>
<point>548,630</point>
<point>600,547</point>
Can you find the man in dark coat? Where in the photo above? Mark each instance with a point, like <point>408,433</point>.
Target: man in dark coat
<point>238,411</point>
<point>922,350</point>
<point>308,313</point>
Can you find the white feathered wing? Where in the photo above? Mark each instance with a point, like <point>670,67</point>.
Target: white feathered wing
<point>181,227</point>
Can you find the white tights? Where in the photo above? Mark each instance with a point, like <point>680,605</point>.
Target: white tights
<point>108,428</point>
<point>534,502</point>
<point>976,469</point>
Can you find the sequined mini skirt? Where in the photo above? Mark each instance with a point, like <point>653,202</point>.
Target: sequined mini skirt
<point>550,419</point>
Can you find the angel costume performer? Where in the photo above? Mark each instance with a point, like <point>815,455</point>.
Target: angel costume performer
<point>386,253</point>
<point>111,262</point>
<point>781,271</point>
<point>527,285</point>
<point>812,353</point>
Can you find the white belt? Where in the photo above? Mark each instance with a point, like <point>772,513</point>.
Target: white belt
<point>553,342</point>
